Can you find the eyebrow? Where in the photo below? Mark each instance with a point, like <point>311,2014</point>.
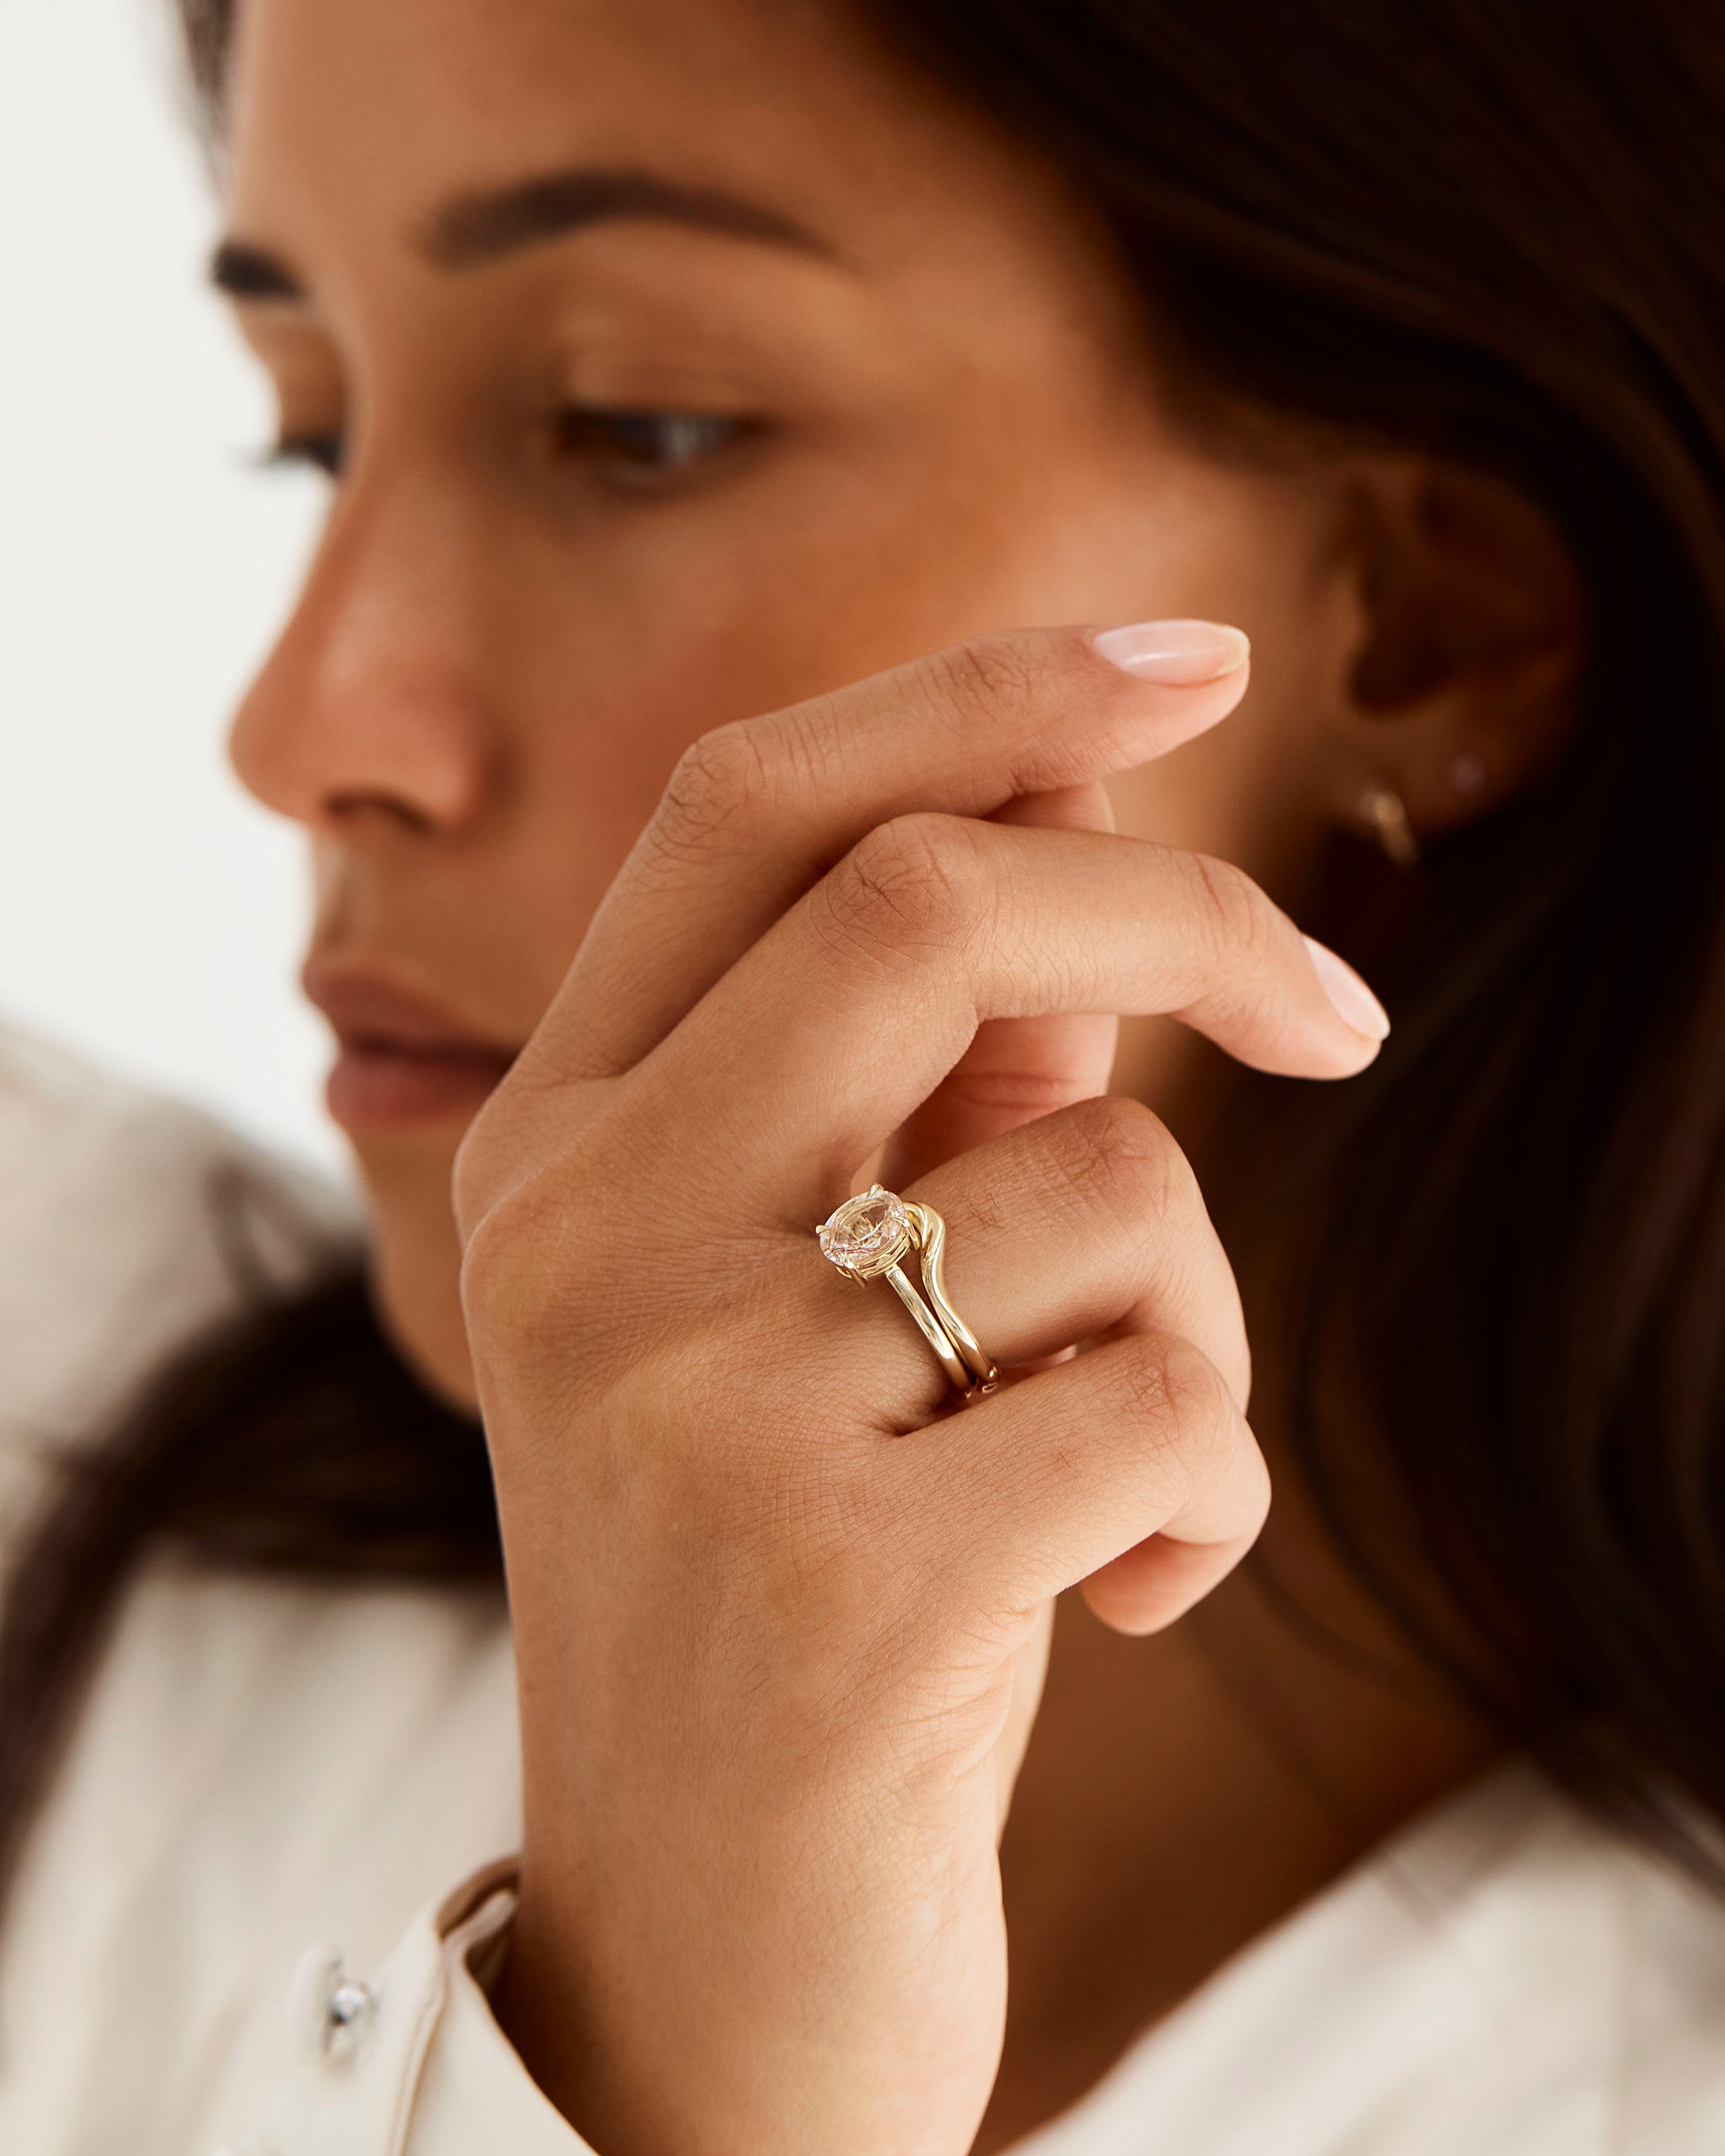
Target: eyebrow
<point>473,229</point>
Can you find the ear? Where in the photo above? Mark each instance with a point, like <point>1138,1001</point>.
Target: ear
<point>1461,689</point>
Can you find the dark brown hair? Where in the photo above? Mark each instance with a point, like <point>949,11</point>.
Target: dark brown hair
<point>1488,230</point>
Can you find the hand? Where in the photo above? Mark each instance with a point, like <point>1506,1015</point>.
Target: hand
<point>779,1616</point>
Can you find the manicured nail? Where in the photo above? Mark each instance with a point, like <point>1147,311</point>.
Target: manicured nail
<point>1354,1001</point>
<point>1183,655</point>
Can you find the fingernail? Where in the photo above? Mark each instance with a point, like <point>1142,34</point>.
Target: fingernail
<point>1183,655</point>
<point>1355,1003</point>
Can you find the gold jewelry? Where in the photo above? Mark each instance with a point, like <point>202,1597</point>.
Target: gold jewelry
<point>866,1238</point>
<point>1385,810</point>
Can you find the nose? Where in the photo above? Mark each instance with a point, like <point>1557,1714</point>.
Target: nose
<point>371,711</point>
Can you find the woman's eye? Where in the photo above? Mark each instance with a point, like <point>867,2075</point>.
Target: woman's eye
<point>324,451</point>
<point>632,448</point>
<point>642,448</point>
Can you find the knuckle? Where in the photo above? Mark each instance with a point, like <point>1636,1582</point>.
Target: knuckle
<point>984,677</point>
<point>515,1196</point>
<point>473,1180</point>
<point>1131,1163</point>
<point>541,1315</point>
<point>911,888</point>
<point>1173,1387</point>
<point>721,788</point>
<point>503,1287</point>
<point>1236,914</point>
<point>490,1157</point>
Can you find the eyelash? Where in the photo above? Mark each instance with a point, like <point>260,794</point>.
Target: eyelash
<point>323,452</point>
<point>643,448</point>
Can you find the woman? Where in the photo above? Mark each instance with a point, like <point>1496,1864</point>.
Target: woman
<point>687,373</point>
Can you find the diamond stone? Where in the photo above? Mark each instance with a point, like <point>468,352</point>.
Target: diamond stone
<point>867,1235</point>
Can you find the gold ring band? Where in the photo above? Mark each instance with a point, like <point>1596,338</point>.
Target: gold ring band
<point>868,1238</point>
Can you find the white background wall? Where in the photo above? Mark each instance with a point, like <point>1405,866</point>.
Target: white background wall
<point>149,915</point>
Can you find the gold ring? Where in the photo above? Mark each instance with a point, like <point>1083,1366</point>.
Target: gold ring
<point>868,1238</point>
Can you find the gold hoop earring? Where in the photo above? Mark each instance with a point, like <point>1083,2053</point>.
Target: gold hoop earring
<point>1386,812</point>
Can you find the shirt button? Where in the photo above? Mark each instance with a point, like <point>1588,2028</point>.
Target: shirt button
<point>331,2013</point>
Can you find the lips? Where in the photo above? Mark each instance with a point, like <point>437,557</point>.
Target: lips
<point>403,1059</point>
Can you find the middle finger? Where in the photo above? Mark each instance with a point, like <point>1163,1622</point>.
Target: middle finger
<point>758,812</point>
<point>824,1038</point>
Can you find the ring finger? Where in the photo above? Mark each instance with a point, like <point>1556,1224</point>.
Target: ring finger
<point>1085,1223</point>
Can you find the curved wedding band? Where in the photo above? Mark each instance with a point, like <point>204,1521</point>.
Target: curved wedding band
<point>869,1235</point>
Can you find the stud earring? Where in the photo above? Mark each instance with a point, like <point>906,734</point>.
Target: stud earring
<point>1386,813</point>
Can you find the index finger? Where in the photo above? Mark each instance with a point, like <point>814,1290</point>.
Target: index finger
<point>758,812</point>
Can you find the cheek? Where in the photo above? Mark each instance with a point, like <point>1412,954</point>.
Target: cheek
<point>605,663</point>
<point>839,566</point>
<point>835,563</point>
<point>1256,790</point>
<point>1258,552</point>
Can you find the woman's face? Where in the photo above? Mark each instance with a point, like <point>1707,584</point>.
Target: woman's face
<point>680,359</point>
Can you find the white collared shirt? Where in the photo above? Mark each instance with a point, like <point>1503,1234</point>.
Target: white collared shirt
<point>258,1912</point>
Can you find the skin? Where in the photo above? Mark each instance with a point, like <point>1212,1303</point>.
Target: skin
<point>781,1618</point>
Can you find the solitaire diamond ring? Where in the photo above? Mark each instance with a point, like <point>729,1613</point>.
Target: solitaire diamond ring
<point>868,1238</point>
